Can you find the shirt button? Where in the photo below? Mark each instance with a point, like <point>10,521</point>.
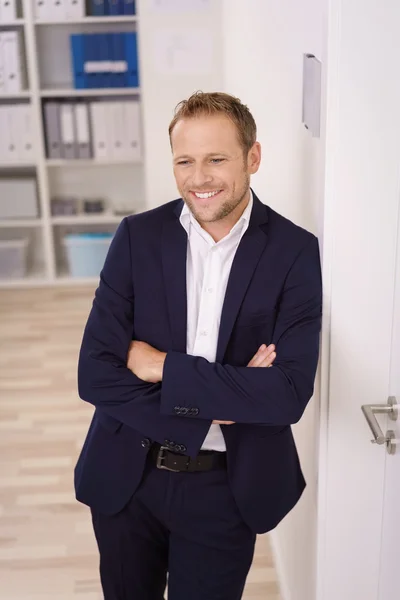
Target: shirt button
<point>203,333</point>
<point>210,290</point>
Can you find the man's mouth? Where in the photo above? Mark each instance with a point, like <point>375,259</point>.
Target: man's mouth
<point>206,195</point>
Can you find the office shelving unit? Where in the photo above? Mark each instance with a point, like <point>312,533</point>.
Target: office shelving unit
<point>49,75</point>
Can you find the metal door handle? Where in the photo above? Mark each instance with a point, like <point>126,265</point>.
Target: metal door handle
<point>370,410</point>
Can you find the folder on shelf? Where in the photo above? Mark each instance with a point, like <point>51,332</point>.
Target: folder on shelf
<point>131,58</point>
<point>120,66</point>
<point>74,9</point>
<point>25,135</point>
<point>104,58</point>
<point>97,8</point>
<point>11,52</point>
<point>8,11</point>
<point>98,122</point>
<point>2,80</point>
<point>78,60</point>
<point>113,7</point>
<point>4,137</point>
<point>56,10</point>
<point>8,134</point>
<point>82,130</point>
<point>129,7</point>
<point>51,112</point>
<point>116,130</point>
<point>91,60</point>
<point>42,9</point>
<point>67,130</point>
<point>133,130</point>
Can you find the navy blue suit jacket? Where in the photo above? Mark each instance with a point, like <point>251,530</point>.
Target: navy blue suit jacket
<point>273,296</point>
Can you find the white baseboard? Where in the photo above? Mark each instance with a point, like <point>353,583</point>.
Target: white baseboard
<point>281,573</point>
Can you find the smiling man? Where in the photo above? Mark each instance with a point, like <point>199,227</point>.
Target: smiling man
<point>190,452</point>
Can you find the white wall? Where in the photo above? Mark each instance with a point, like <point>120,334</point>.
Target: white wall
<point>264,44</point>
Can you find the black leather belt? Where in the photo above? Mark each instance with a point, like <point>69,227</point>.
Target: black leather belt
<point>206,460</point>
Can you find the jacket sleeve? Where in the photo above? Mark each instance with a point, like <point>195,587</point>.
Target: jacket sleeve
<point>103,377</point>
<point>274,396</point>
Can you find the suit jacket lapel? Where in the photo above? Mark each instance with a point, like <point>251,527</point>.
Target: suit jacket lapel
<point>174,252</point>
<point>246,259</point>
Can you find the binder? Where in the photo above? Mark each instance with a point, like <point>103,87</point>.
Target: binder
<point>57,10</point>
<point>11,61</point>
<point>97,8</point>
<point>120,66</point>
<point>105,60</point>
<point>133,130</point>
<point>67,130</point>
<point>91,66</point>
<point>24,129</point>
<point>98,122</point>
<point>4,136</point>
<point>10,135</point>
<point>116,128</point>
<point>8,10</point>
<point>2,74</point>
<point>52,130</point>
<point>129,7</point>
<point>113,7</point>
<point>78,60</point>
<point>74,9</point>
<point>82,130</point>
<point>42,9</point>
<point>131,59</point>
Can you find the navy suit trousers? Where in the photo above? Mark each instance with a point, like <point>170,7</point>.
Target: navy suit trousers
<point>182,525</point>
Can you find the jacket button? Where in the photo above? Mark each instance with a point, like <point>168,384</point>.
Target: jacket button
<point>146,443</point>
<point>177,410</point>
<point>196,411</point>
<point>182,448</point>
<point>184,411</point>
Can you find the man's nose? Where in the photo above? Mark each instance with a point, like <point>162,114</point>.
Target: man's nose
<point>201,177</point>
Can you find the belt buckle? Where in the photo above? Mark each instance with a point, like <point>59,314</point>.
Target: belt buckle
<point>161,459</point>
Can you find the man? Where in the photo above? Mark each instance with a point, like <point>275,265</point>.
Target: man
<point>190,451</point>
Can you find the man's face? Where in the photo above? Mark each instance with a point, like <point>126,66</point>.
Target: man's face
<point>211,171</point>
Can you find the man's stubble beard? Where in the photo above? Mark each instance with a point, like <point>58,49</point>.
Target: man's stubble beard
<point>227,207</point>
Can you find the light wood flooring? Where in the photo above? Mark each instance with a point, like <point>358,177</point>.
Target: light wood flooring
<point>47,548</point>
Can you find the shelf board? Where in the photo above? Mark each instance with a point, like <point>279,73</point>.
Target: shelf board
<point>32,279</point>
<point>86,219</point>
<point>16,95</point>
<point>90,163</point>
<point>20,223</point>
<point>91,20</point>
<point>12,23</point>
<point>12,165</point>
<point>68,92</point>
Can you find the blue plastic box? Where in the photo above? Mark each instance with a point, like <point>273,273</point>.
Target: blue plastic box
<point>86,253</point>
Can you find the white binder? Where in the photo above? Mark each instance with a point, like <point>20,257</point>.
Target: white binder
<point>25,136</point>
<point>99,121</point>
<point>133,130</point>
<point>42,10</point>
<point>10,135</point>
<point>11,52</point>
<point>8,11</point>
<point>82,130</point>
<point>2,81</point>
<point>116,129</point>
<point>67,130</point>
<point>74,9</point>
<point>4,137</point>
<point>55,10</point>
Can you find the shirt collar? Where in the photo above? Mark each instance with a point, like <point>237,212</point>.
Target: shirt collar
<point>187,217</point>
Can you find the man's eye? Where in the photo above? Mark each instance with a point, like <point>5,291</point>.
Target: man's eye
<point>183,162</point>
<point>217,160</point>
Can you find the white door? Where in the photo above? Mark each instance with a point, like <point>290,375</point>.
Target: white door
<point>389,585</point>
<point>359,483</point>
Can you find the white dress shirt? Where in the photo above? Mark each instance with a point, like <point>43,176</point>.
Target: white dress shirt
<point>207,271</point>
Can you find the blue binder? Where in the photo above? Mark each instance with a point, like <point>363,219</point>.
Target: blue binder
<point>113,7</point>
<point>103,55</point>
<point>97,8</point>
<point>129,7</point>
<point>78,60</point>
<point>120,79</point>
<point>131,58</point>
<point>90,56</point>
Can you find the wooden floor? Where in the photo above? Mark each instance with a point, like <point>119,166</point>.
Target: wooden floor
<point>47,548</point>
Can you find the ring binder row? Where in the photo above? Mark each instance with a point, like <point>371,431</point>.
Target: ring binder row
<point>103,130</point>
<point>104,60</point>
<point>55,10</point>
<point>8,11</point>
<point>12,72</point>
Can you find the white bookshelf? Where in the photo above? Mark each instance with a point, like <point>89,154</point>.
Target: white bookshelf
<point>49,75</point>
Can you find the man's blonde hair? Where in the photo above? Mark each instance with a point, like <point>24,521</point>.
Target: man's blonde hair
<point>214,103</point>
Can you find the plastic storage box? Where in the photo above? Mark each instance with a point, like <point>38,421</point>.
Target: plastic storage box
<point>13,258</point>
<point>86,252</point>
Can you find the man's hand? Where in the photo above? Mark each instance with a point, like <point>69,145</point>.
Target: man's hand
<point>146,362</point>
<point>264,357</point>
